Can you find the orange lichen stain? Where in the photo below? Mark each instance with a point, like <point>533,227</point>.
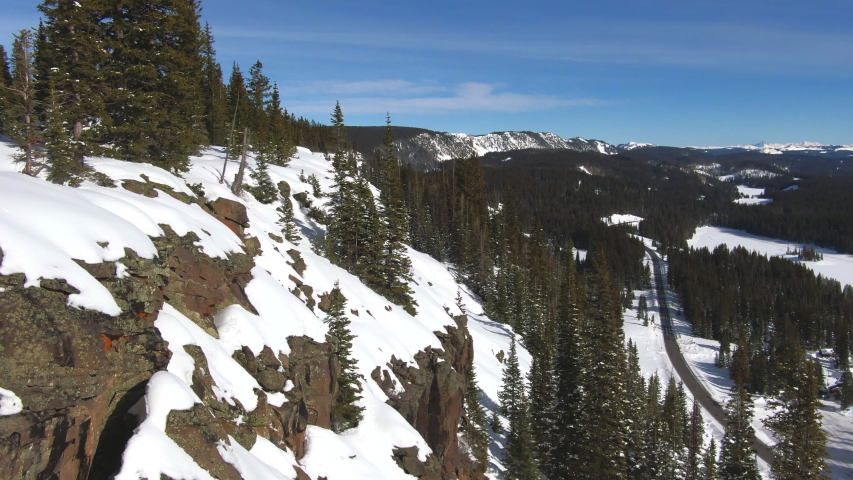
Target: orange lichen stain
<point>108,342</point>
<point>143,315</point>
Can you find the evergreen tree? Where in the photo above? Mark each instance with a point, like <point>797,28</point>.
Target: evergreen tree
<point>259,89</point>
<point>285,214</point>
<point>238,110</point>
<point>72,56</point>
<point>520,461</point>
<point>846,390</point>
<point>59,146</point>
<point>280,135</point>
<point>156,99</point>
<point>475,425</point>
<point>567,433</point>
<point>695,432</point>
<point>737,458</point>
<point>709,462</point>
<point>345,413</point>
<point>801,450</point>
<point>636,418</point>
<point>216,118</point>
<point>396,266</point>
<point>22,125</point>
<point>5,93</point>
<point>264,191</point>
<point>604,407</point>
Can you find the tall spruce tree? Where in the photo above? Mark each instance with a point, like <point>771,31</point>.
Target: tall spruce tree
<point>156,99</point>
<point>345,413</point>
<point>5,92</point>
<point>519,458</point>
<point>709,462</point>
<point>22,120</point>
<point>571,372</point>
<point>801,450</point>
<point>396,267</point>
<point>474,429</point>
<point>695,434</point>
<point>75,52</point>
<point>216,118</point>
<point>737,460</point>
<point>846,390</point>
<point>635,424</point>
<point>285,214</point>
<point>58,143</point>
<point>603,409</point>
<point>282,148</point>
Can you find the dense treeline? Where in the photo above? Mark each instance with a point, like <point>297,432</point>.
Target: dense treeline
<point>737,296</point>
<point>137,81</point>
<point>817,211</point>
<point>570,202</point>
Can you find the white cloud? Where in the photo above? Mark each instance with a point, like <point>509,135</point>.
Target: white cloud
<point>399,87</point>
<point>467,97</point>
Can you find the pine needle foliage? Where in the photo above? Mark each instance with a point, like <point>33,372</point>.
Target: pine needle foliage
<point>345,413</point>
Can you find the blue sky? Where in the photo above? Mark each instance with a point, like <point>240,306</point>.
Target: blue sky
<point>667,72</point>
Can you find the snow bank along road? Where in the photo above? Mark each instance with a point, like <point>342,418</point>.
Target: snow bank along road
<point>699,393</point>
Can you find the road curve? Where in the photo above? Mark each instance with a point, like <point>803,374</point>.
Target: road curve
<point>677,359</point>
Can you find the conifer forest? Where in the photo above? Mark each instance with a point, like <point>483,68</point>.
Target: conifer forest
<point>140,81</point>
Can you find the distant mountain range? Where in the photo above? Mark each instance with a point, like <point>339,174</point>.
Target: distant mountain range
<point>783,148</point>
<point>427,148</point>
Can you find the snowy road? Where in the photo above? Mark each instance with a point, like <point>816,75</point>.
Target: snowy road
<point>677,359</point>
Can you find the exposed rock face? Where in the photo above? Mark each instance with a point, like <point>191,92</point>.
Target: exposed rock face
<point>79,371</point>
<point>433,403</point>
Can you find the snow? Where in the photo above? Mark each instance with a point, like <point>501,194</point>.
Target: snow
<point>834,265</point>
<point>584,170</point>
<point>250,466</point>
<point>45,227</point>
<point>622,219</point>
<point>10,404</point>
<point>150,453</point>
<point>792,187</point>
<point>750,196</point>
<point>232,381</point>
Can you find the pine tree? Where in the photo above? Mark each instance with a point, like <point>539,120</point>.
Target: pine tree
<point>846,390</point>
<point>5,93</point>
<point>396,266</point>
<point>73,55</point>
<point>216,116</point>
<point>22,121</point>
<point>636,418</point>
<point>238,110</point>
<point>801,450</point>
<point>345,413</point>
<point>156,99</point>
<point>259,89</point>
<point>475,426</point>
<point>709,462</point>
<point>605,404</point>
<point>520,461</point>
<point>695,432</point>
<point>737,458</point>
<point>264,191</point>
<point>654,458</point>
<point>59,146</point>
<point>285,214</point>
<point>279,134</point>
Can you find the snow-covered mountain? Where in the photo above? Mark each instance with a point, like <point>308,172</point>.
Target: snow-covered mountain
<point>781,148</point>
<point>441,146</point>
<point>634,145</point>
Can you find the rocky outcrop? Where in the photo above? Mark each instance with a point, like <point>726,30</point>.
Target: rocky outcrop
<point>78,371</point>
<point>432,400</point>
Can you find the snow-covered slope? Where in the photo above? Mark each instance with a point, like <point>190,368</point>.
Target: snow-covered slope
<point>445,146</point>
<point>634,145</point>
<point>44,228</point>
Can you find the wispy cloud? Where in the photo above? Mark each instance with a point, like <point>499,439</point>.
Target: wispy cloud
<point>387,86</point>
<point>467,97</point>
<point>703,44</point>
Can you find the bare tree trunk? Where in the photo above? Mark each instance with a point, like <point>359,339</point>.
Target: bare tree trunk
<point>230,141</point>
<point>237,186</point>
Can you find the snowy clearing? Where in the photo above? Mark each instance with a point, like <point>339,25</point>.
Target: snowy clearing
<point>834,265</point>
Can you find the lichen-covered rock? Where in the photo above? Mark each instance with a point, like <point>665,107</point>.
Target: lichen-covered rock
<point>432,399</point>
<point>231,213</point>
